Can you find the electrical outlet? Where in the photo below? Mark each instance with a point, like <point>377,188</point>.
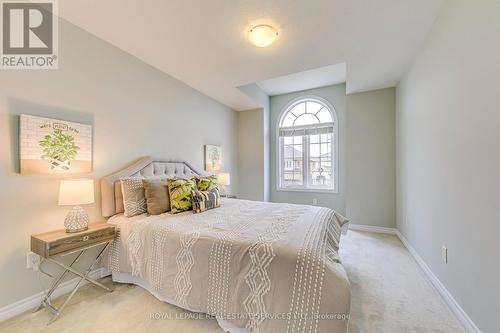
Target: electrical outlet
<point>33,261</point>
<point>406,219</point>
<point>444,254</point>
<point>315,201</point>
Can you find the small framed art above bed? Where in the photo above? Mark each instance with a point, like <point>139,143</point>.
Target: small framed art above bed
<point>254,266</point>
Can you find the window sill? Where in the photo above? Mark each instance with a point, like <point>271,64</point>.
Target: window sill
<point>308,190</point>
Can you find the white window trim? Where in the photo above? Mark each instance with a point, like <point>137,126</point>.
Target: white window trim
<point>335,148</point>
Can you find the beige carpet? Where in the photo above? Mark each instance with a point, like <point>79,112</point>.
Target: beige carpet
<point>389,294</point>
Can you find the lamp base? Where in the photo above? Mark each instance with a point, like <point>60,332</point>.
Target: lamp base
<point>222,190</point>
<point>77,220</point>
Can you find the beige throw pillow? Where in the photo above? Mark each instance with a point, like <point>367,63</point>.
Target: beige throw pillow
<point>156,193</point>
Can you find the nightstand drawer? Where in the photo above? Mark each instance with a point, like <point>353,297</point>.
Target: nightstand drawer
<point>57,242</point>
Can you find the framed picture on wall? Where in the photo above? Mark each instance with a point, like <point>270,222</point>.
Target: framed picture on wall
<point>52,146</point>
<point>213,158</point>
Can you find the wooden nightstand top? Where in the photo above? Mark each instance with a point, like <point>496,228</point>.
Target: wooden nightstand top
<point>59,241</point>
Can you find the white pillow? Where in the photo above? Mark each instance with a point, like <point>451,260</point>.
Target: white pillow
<point>134,201</point>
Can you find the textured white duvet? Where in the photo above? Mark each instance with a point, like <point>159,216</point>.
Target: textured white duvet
<point>257,267</point>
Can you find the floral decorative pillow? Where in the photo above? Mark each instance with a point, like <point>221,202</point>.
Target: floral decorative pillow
<point>206,183</point>
<point>180,194</point>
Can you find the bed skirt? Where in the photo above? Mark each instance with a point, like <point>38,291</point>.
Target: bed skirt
<point>131,279</point>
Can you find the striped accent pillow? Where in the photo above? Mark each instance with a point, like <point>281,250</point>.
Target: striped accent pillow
<point>205,200</point>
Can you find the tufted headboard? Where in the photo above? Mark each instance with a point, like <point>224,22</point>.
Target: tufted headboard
<point>146,167</point>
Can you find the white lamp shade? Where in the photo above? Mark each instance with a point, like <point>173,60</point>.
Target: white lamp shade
<point>76,192</point>
<point>224,179</point>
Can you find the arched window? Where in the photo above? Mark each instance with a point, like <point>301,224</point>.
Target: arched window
<point>307,139</point>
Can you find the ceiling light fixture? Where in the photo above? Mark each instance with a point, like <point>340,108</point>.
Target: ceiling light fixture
<point>262,35</point>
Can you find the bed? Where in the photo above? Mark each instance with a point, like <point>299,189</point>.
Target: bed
<point>253,266</point>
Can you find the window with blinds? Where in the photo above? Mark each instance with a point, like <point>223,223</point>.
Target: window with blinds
<point>307,141</point>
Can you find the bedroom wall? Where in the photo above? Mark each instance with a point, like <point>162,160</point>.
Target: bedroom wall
<point>257,141</point>
<point>251,154</point>
<point>135,109</point>
<point>367,155</point>
<point>371,158</point>
<point>336,96</point>
<point>447,155</point>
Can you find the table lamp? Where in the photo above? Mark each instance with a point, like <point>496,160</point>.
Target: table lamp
<point>74,193</point>
<point>224,179</point>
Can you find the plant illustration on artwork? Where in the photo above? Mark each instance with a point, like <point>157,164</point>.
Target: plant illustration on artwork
<point>59,148</point>
<point>54,146</point>
<point>214,157</point>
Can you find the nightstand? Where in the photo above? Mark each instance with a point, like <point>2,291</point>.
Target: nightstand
<point>55,244</point>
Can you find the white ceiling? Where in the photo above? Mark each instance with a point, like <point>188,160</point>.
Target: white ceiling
<point>203,43</point>
<point>314,78</point>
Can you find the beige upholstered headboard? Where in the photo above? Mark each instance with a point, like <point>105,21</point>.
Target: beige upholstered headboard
<point>146,167</point>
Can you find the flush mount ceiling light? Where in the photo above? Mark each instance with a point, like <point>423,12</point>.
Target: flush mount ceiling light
<point>262,35</point>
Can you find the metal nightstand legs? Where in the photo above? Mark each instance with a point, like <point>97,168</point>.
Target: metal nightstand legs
<point>83,276</point>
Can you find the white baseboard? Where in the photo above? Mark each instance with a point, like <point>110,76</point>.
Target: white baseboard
<point>371,228</point>
<point>457,310</point>
<point>33,301</point>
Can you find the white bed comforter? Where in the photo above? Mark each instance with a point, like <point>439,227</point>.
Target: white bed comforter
<point>257,267</point>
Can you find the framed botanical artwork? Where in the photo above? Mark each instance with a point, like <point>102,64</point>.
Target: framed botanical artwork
<point>52,146</point>
<point>213,158</point>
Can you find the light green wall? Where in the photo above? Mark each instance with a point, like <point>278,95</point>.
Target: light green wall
<point>366,155</point>
<point>251,155</point>
<point>256,178</point>
<point>336,96</point>
<point>135,109</point>
<point>371,160</point>
<point>447,156</point>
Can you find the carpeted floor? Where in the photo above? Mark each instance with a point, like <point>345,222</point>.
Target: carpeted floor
<point>389,294</point>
